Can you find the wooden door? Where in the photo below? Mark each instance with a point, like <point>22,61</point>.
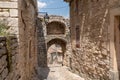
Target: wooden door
<point>117,40</point>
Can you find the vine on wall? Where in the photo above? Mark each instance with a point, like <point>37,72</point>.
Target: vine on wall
<point>3,28</point>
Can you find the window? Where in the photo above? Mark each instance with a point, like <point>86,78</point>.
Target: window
<point>119,23</point>
<point>77,36</point>
<point>76,6</point>
<point>29,46</point>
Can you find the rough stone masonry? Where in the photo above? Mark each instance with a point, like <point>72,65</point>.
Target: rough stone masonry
<point>9,58</point>
<point>95,38</point>
<point>21,16</point>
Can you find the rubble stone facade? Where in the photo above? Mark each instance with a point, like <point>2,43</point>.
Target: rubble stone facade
<point>94,36</point>
<point>9,58</point>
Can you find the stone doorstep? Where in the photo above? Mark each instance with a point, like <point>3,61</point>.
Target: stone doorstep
<point>2,45</point>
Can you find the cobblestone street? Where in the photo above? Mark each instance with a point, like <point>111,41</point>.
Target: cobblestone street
<point>57,73</point>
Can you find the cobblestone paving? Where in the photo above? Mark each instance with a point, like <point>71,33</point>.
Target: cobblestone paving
<point>57,73</point>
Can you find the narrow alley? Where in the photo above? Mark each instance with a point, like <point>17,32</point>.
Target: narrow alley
<point>59,39</point>
<point>57,72</point>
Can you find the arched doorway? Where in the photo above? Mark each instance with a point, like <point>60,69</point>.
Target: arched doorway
<point>55,51</point>
<point>55,54</point>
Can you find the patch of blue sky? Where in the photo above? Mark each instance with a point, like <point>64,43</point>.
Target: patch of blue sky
<point>54,7</point>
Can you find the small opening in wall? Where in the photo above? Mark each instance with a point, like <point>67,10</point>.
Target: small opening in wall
<point>30,49</point>
<point>77,36</point>
<point>76,6</point>
<point>119,23</point>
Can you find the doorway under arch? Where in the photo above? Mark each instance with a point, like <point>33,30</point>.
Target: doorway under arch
<point>55,51</point>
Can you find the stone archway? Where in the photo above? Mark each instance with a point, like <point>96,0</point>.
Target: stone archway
<point>56,54</point>
<point>57,28</point>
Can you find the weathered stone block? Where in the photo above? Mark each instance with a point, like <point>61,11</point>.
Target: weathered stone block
<point>13,13</point>
<point>12,21</point>
<point>8,5</point>
<point>2,39</point>
<point>3,51</point>
<point>2,45</point>
<point>3,63</point>
<point>14,46</point>
<point>4,14</point>
<point>13,52</point>
<point>4,73</point>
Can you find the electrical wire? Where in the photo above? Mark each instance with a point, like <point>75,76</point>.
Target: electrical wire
<point>56,7</point>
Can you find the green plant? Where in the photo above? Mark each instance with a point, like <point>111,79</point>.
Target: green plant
<point>9,55</point>
<point>3,28</point>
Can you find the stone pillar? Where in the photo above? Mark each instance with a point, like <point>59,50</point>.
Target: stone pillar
<point>28,38</point>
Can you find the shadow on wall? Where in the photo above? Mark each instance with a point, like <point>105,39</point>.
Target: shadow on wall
<point>42,54</point>
<point>43,73</point>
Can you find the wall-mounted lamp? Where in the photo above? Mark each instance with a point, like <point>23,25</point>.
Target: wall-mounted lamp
<point>45,17</point>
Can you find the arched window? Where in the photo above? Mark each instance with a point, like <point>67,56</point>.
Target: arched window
<point>55,28</point>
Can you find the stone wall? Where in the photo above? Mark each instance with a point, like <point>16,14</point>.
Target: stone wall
<point>42,53</point>
<point>9,12</point>
<point>92,59</point>
<point>9,58</point>
<point>21,16</point>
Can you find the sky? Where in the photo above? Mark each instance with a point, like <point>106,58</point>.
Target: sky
<point>54,7</point>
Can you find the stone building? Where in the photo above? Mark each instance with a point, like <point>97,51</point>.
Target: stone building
<point>95,38</point>
<point>18,55</point>
<point>56,32</point>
